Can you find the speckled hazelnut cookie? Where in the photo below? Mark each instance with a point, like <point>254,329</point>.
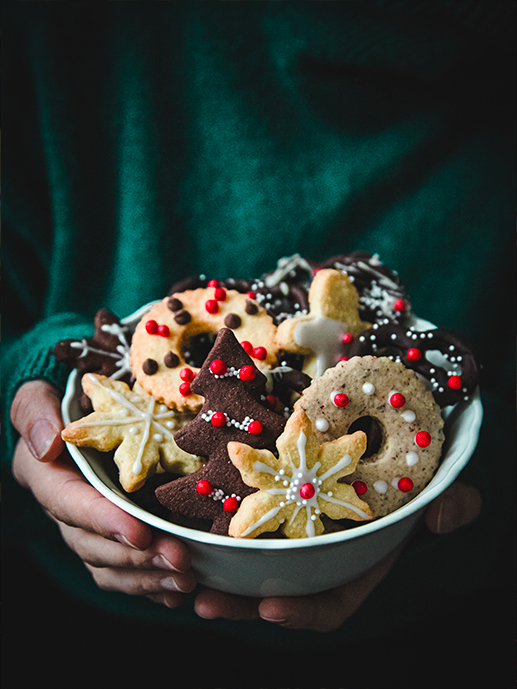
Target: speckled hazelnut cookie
<point>399,415</point>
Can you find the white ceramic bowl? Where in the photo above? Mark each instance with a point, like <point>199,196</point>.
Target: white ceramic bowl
<point>278,567</point>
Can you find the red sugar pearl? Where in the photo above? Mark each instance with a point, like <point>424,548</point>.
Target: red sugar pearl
<point>218,419</point>
<point>213,283</point>
<point>187,375</point>
<point>251,295</point>
<point>423,439</point>
<point>340,399</point>
<point>248,347</point>
<point>231,505</point>
<point>454,383</point>
<point>212,306</point>
<point>272,401</point>
<point>151,327</point>
<point>185,389</point>
<point>164,331</point>
<point>397,400</point>
<point>260,353</point>
<point>399,305</point>
<point>307,491</point>
<point>255,428</point>
<point>360,487</point>
<point>218,367</point>
<point>204,487</point>
<point>220,294</point>
<point>405,484</point>
<point>247,373</point>
<point>346,338</point>
<point>414,354</point>
<point>343,358</point>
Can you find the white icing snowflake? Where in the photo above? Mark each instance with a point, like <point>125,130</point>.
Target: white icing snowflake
<point>299,485</point>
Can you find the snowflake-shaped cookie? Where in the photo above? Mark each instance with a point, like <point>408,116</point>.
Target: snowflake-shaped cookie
<point>140,428</point>
<point>299,485</point>
<point>333,314</point>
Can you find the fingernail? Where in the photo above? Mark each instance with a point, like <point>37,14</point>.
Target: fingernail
<point>41,437</point>
<point>122,539</point>
<point>448,515</point>
<point>170,584</point>
<point>278,620</point>
<point>162,563</point>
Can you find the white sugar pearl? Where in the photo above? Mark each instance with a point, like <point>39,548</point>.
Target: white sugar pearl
<point>133,429</point>
<point>409,416</point>
<point>380,486</point>
<point>158,437</point>
<point>368,389</point>
<point>411,458</point>
<point>322,425</point>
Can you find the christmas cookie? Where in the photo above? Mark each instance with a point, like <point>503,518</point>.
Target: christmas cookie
<point>369,392</point>
<point>450,384</point>
<point>106,353</point>
<point>300,484</point>
<point>381,295</point>
<point>140,428</point>
<point>162,340</point>
<point>229,381</point>
<point>333,318</point>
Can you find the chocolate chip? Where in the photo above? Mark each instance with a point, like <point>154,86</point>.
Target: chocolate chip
<point>149,367</point>
<point>233,321</point>
<point>251,308</point>
<point>182,317</point>
<point>174,304</point>
<point>171,360</point>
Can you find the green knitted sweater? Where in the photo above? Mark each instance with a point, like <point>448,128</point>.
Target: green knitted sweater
<point>145,142</point>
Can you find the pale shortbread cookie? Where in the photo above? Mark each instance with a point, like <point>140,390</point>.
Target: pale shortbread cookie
<point>410,422</point>
<point>299,485</point>
<point>140,428</point>
<point>163,334</point>
<point>333,313</point>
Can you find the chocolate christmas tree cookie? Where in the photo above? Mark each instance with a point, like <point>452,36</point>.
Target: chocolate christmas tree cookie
<point>230,382</point>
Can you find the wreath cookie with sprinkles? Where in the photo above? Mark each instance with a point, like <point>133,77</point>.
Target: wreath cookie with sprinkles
<point>366,392</point>
<point>160,351</point>
<point>450,384</point>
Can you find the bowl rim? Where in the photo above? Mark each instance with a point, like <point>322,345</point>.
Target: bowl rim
<point>445,475</point>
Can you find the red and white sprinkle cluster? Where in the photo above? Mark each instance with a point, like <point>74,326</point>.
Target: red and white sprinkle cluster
<point>220,419</point>
<point>230,502</point>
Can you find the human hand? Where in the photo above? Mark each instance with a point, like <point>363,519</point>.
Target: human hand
<point>122,553</point>
<point>324,612</point>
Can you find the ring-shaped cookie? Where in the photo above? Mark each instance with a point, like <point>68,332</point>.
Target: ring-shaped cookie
<point>449,385</point>
<point>162,336</point>
<point>410,423</point>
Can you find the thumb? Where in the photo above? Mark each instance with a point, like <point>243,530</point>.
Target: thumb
<point>458,505</point>
<point>36,415</point>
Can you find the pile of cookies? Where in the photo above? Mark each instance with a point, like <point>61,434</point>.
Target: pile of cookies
<point>294,404</point>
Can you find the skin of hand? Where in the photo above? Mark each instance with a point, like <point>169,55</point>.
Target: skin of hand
<point>124,554</point>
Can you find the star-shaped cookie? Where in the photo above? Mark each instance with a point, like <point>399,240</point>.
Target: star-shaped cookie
<point>299,485</point>
<point>140,428</point>
<point>334,303</point>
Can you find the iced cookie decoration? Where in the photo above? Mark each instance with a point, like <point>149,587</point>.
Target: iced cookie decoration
<point>106,353</point>
<point>229,382</point>
<point>452,381</point>
<point>381,294</point>
<point>400,417</point>
<point>300,484</point>
<point>162,342</point>
<point>333,319</point>
<point>141,429</point>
